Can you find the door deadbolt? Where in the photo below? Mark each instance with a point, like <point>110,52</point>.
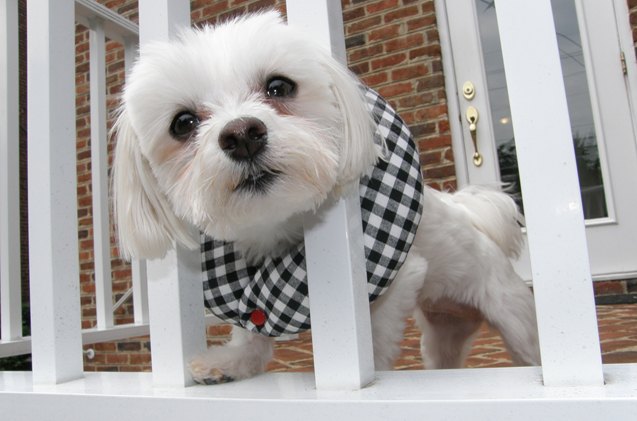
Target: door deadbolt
<point>468,90</point>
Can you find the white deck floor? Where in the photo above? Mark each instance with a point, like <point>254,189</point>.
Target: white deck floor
<point>476,394</point>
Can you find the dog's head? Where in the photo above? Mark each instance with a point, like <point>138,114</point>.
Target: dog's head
<point>232,128</point>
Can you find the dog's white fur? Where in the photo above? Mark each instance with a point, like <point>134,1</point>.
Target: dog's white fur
<point>318,140</point>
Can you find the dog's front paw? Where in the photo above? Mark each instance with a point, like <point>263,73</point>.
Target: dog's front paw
<point>203,373</point>
<point>230,362</point>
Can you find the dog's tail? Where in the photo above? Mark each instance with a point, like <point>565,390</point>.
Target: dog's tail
<point>495,214</point>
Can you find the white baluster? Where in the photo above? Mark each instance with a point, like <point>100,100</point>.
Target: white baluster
<point>140,291</point>
<point>138,267</point>
<point>99,174</point>
<point>53,248</point>
<point>557,242</point>
<point>175,290</point>
<point>10,282</point>
<point>341,326</point>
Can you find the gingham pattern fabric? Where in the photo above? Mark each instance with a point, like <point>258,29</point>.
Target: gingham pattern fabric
<point>272,298</point>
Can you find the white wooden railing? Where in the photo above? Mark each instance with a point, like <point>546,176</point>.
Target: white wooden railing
<point>571,384</point>
<point>102,23</point>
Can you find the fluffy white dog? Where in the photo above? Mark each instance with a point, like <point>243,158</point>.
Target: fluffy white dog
<point>240,130</point>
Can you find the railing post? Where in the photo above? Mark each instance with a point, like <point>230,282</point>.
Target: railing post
<point>53,245</point>
<point>176,315</point>
<point>138,267</point>
<point>139,274</point>
<point>337,282</point>
<point>99,174</point>
<point>161,20</point>
<point>10,282</point>
<point>562,280</point>
<point>175,291</point>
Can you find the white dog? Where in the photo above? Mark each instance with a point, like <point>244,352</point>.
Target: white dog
<point>240,130</point>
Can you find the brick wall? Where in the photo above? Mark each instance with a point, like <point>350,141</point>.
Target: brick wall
<point>393,46</point>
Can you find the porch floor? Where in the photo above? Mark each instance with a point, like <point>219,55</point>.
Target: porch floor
<point>490,394</point>
<point>618,336</point>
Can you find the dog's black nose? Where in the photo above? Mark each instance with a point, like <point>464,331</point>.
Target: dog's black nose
<point>243,138</point>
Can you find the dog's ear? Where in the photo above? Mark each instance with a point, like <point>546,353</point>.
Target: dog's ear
<point>359,151</point>
<point>146,224</point>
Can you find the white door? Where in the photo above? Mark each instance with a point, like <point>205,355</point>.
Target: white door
<point>598,74</point>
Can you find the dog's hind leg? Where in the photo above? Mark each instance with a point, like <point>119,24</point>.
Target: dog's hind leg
<point>245,355</point>
<point>390,311</point>
<point>448,330</point>
<point>511,310</point>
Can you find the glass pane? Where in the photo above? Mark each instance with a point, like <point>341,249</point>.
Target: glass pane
<point>578,98</point>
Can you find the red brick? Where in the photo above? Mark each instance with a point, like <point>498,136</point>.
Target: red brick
<point>448,155</point>
<point>219,330</point>
<point>435,142</point>
<point>430,158</point>
<point>388,61</point>
<point>425,51</point>
<point>431,82</point>
<point>117,358</point>
<point>401,14</point>
<point>443,126</point>
<point>432,112</point>
<point>406,42</point>
<point>410,72</point>
<point>360,68</point>
<point>432,36</point>
<point>424,130</point>
<point>384,33</point>
<point>396,89</point>
<point>421,22</point>
<point>609,287</point>
<point>363,25</point>
<point>365,53</point>
<point>375,79</point>
<point>440,171</point>
<point>140,358</point>
<point>416,100</point>
<point>214,8</point>
<point>381,5</point>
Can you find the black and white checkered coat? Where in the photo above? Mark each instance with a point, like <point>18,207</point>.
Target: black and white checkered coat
<point>272,298</point>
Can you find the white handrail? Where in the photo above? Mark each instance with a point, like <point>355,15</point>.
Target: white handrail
<point>116,27</point>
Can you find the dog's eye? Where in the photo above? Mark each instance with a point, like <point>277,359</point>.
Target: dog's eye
<point>280,87</point>
<point>183,125</point>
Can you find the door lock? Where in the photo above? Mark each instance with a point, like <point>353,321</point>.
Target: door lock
<point>468,90</point>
